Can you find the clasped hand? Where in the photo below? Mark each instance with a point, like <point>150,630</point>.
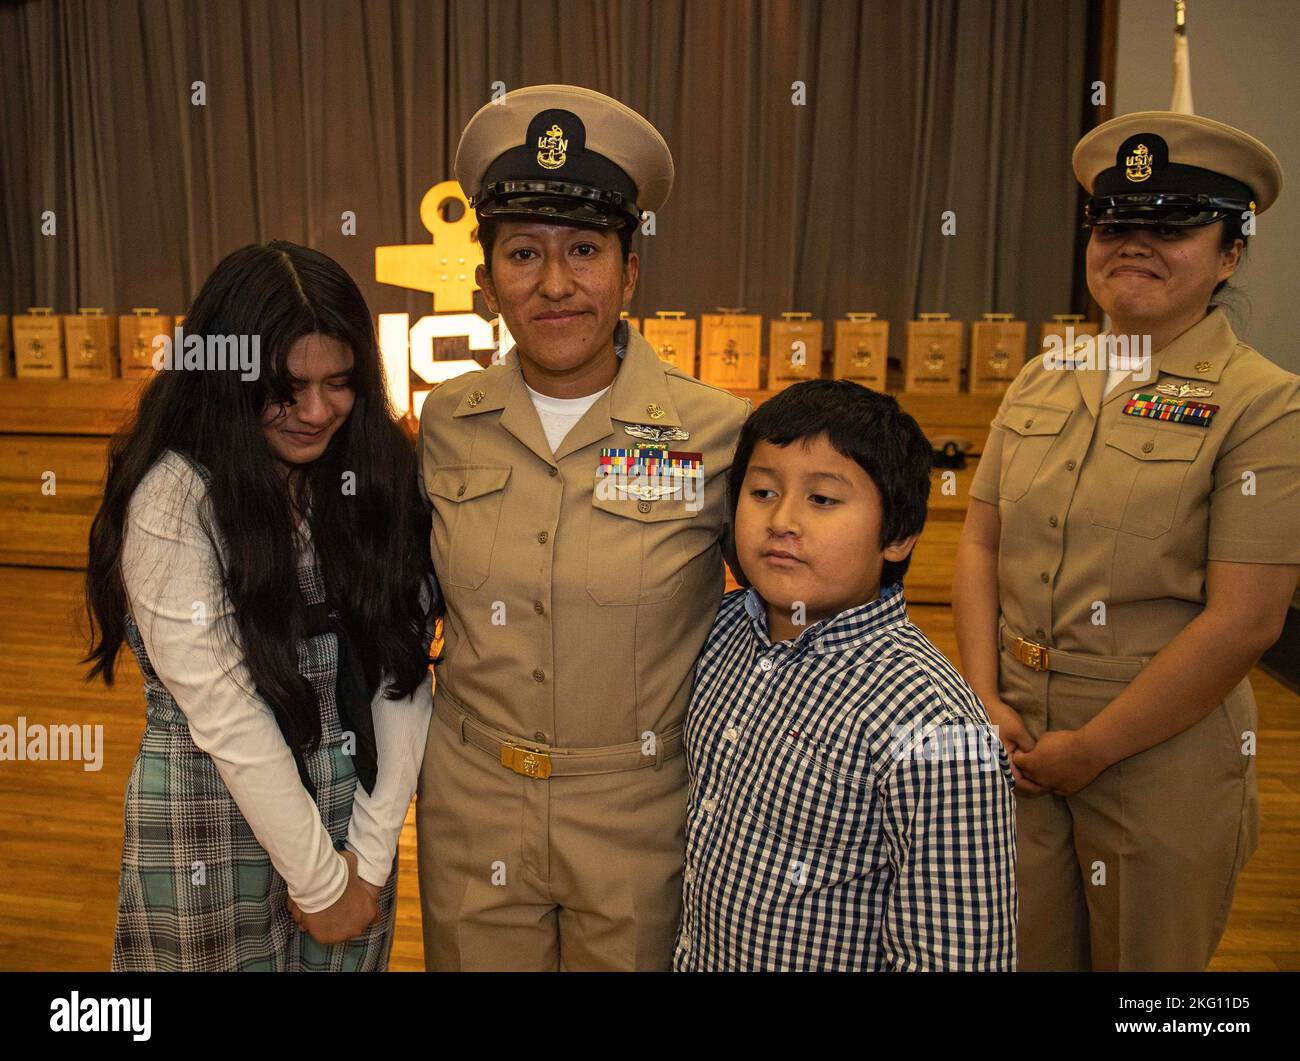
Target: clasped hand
<point>348,916</point>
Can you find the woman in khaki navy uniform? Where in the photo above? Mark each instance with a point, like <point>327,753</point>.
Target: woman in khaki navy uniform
<point>1129,552</point>
<point>581,564</point>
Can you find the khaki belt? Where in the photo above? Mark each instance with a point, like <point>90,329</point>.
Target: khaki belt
<point>1044,658</point>
<point>541,761</point>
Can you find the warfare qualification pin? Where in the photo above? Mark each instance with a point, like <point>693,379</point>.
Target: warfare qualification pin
<point>1184,390</point>
<point>646,492</point>
<point>655,433</point>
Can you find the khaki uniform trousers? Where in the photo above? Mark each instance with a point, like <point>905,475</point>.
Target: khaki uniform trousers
<point>576,872</point>
<point>1136,871</point>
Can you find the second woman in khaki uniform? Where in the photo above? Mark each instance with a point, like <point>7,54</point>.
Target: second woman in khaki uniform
<point>1129,552</point>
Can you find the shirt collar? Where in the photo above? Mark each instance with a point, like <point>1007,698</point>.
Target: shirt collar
<point>1201,352</point>
<point>846,630</point>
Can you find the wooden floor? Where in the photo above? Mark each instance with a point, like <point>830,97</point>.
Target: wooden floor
<point>61,826</point>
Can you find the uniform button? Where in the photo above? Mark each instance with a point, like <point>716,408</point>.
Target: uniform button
<point>539,736</point>
<point>689,875</point>
<point>539,675</point>
<point>1029,422</point>
<point>1052,520</point>
<point>731,733</point>
<point>765,664</point>
<point>539,607</point>
<point>1069,466</point>
<point>552,472</point>
<point>1147,447</point>
<point>710,805</point>
<point>643,507</point>
<point>1045,577</point>
<point>461,491</point>
<point>542,536</point>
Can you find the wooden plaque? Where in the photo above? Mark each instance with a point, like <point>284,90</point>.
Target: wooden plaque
<point>92,345</point>
<point>38,346</point>
<point>730,344</point>
<point>934,356</point>
<point>794,352</point>
<point>136,335</point>
<point>673,339</point>
<point>862,352</point>
<point>997,353</point>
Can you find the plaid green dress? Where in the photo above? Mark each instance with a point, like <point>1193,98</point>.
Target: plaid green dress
<point>197,892</point>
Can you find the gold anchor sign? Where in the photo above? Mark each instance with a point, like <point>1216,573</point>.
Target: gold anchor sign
<point>552,148</point>
<point>444,268</point>
<point>1137,166</point>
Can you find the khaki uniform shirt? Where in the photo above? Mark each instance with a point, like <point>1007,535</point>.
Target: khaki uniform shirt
<point>1103,508</point>
<point>574,617</point>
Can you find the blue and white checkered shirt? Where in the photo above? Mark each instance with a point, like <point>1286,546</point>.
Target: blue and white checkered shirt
<point>850,806</point>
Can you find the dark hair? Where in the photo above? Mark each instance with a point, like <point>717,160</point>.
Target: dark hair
<point>863,425</point>
<point>372,545</point>
<point>489,230</point>
<point>1232,231</point>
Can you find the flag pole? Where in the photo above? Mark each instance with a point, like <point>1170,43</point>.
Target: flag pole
<point>1182,95</point>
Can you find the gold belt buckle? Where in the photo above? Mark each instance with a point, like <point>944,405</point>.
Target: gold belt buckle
<point>527,762</point>
<point>1031,653</point>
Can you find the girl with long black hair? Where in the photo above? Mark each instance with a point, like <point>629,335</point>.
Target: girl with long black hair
<point>262,547</point>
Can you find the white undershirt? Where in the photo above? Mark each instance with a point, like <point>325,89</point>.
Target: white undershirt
<point>1113,380</point>
<point>167,566</point>
<point>558,415</point>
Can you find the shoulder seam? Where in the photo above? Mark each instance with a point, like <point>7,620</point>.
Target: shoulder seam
<point>678,374</point>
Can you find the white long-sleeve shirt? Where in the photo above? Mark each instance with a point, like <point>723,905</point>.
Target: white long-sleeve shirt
<point>170,575</point>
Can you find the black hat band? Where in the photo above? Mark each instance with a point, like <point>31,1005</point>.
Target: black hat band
<point>1173,177</point>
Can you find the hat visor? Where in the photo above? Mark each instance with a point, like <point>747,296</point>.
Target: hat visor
<point>555,209</point>
<point>1151,215</point>
<point>1174,209</point>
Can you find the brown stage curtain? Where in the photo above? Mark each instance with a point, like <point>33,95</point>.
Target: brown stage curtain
<point>914,107</point>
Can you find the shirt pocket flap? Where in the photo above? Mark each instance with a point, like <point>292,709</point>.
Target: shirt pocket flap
<point>632,507</point>
<point>1157,443</point>
<point>1026,419</point>
<point>463,482</point>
